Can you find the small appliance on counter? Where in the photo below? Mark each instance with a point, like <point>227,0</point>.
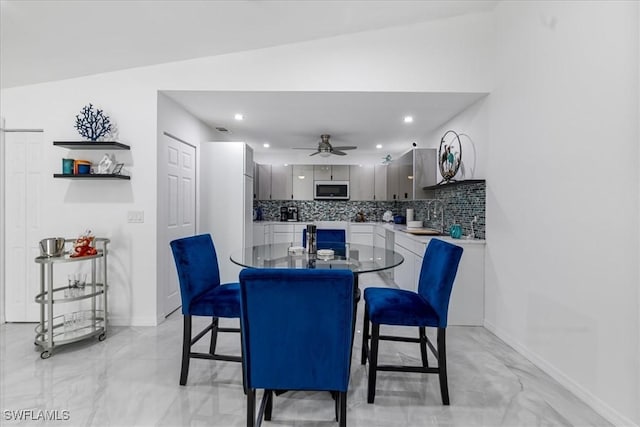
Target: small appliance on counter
<point>289,213</point>
<point>399,219</point>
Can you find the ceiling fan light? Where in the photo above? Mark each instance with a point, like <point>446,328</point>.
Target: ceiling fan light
<point>325,154</point>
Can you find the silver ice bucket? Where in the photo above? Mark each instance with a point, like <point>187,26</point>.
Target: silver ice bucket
<point>53,246</point>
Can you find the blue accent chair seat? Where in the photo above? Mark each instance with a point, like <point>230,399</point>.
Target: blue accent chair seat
<point>203,295</point>
<point>426,308</point>
<point>296,334</point>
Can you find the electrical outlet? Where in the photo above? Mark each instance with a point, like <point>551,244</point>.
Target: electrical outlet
<point>135,216</point>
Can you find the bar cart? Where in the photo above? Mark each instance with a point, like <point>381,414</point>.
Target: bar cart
<point>64,327</point>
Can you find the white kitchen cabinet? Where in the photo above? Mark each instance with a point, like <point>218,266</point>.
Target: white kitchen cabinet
<point>331,172</point>
<point>288,233</point>
<point>258,234</point>
<point>322,172</point>
<point>379,237</point>
<point>281,182</point>
<point>264,181</point>
<point>362,182</point>
<point>404,274</point>
<point>282,233</point>
<point>392,181</point>
<point>302,182</point>
<point>380,182</point>
<point>340,172</point>
<point>410,173</point>
<point>361,234</point>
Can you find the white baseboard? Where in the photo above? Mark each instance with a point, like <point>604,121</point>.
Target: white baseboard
<point>132,321</point>
<point>583,394</point>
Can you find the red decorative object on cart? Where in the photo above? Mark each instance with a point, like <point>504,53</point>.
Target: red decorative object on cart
<point>83,246</point>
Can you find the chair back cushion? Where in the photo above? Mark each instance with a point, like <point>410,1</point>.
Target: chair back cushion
<point>328,239</point>
<point>197,266</point>
<point>296,328</point>
<point>325,235</point>
<point>439,268</point>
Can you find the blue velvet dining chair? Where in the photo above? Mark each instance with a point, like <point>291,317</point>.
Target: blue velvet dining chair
<point>296,334</point>
<point>426,308</point>
<point>327,238</point>
<point>203,295</point>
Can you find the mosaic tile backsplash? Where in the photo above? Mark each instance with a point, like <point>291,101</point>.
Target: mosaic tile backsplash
<point>459,203</point>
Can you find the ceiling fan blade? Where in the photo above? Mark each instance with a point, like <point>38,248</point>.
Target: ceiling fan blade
<point>303,148</point>
<point>339,153</point>
<point>347,147</point>
<point>313,154</point>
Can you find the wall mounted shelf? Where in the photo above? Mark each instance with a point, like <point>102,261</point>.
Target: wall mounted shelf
<point>89,145</point>
<point>92,176</point>
<point>453,184</point>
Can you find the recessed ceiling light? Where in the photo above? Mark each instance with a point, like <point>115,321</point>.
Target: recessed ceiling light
<point>408,119</point>
<point>265,145</point>
<point>238,117</point>
<point>379,146</point>
<point>300,176</point>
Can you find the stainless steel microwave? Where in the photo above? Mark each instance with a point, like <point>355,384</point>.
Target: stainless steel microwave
<point>331,190</point>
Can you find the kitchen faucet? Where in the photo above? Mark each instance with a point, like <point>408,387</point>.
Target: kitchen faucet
<point>474,221</point>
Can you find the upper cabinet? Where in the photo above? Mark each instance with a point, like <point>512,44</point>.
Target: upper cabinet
<point>380,182</point>
<point>331,172</point>
<point>368,182</point>
<point>263,173</point>
<point>281,182</point>
<point>302,182</point>
<point>409,174</point>
<point>361,186</point>
<point>403,179</point>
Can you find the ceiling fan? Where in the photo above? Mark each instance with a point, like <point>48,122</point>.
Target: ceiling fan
<point>325,148</point>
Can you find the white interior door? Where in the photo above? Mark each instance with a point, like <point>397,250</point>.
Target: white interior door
<point>180,207</point>
<point>23,214</point>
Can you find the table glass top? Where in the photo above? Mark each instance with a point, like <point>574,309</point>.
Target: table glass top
<point>356,257</point>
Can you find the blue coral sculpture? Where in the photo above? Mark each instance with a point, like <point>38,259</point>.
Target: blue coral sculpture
<point>92,124</point>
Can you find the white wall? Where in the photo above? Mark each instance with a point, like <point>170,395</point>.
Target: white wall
<point>176,121</point>
<point>562,279</point>
<point>423,57</point>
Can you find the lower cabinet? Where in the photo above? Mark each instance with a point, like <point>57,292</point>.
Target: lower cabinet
<point>361,234</point>
<point>466,306</point>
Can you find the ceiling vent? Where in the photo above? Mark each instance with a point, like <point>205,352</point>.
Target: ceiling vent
<point>221,129</point>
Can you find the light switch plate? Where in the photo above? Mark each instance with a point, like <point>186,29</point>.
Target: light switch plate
<point>135,216</point>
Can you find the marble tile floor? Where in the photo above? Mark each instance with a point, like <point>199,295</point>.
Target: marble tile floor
<point>131,379</point>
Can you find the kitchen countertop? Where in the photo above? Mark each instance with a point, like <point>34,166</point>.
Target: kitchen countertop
<point>398,228</point>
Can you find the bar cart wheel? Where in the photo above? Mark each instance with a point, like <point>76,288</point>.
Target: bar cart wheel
<point>45,354</point>
<point>102,337</point>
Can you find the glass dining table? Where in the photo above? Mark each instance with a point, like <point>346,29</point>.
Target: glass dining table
<point>356,257</point>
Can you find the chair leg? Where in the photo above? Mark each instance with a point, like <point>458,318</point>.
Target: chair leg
<point>342,420</point>
<point>373,362</point>
<point>442,366</point>
<point>214,336</point>
<point>186,348</point>
<point>423,346</point>
<point>268,409</point>
<point>365,336</point>
<point>251,407</point>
